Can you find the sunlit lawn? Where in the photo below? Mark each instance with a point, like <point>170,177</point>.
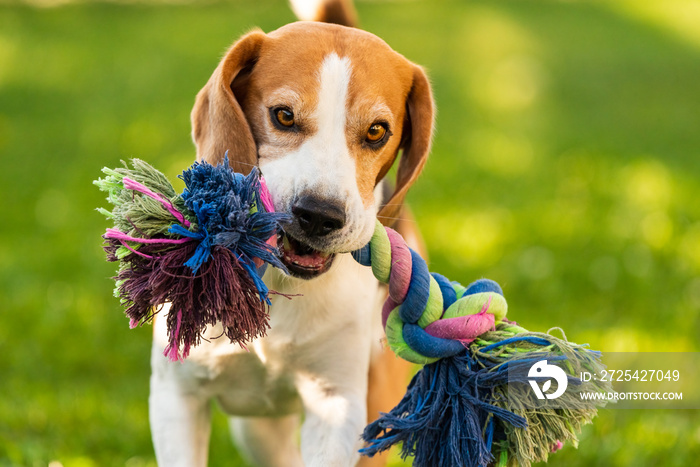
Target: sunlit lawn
<point>565,166</point>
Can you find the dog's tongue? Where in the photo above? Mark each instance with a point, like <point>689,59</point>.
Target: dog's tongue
<point>302,255</point>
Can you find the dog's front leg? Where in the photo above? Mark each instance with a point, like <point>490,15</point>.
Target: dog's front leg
<point>334,419</point>
<point>179,414</point>
<point>335,405</point>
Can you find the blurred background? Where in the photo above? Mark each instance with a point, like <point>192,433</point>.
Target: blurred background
<point>566,167</point>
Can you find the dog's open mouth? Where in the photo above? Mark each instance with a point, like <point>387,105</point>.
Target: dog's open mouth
<point>302,260</point>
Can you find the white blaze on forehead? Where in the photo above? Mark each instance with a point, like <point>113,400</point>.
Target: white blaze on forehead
<point>334,80</point>
<point>332,168</point>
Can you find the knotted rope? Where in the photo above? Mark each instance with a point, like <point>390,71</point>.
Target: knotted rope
<point>457,409</point>
<point>426,317</point>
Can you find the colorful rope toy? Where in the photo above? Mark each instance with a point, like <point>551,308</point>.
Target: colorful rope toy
<point>469,405</point>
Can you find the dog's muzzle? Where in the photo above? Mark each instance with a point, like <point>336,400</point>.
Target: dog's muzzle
<point>314,219</point>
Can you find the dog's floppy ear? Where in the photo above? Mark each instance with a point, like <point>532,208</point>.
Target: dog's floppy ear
<point>416,140</point>
<point>218,122</point>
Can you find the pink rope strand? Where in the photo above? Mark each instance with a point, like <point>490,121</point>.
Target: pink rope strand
<point>117,235</point>
<point>265,196</point>
<point>124,244</point>
<point>130,184</point>
<point>172,350</point>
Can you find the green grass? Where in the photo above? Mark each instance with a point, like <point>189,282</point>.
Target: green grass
<point>565,166</point>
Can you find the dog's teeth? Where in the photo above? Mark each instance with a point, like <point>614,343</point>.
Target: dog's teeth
<point>285,242</point>
<point>323,254</point>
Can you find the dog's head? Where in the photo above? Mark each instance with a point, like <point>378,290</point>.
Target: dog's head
<point>323,110</point>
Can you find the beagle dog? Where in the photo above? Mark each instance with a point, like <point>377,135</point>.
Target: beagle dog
<point>324,110</point>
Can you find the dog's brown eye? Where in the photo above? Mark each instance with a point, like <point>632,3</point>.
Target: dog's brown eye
<point>285,117</point>
<point>376,133</point>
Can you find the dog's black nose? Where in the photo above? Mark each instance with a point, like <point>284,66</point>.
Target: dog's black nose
<point>318,217</point>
